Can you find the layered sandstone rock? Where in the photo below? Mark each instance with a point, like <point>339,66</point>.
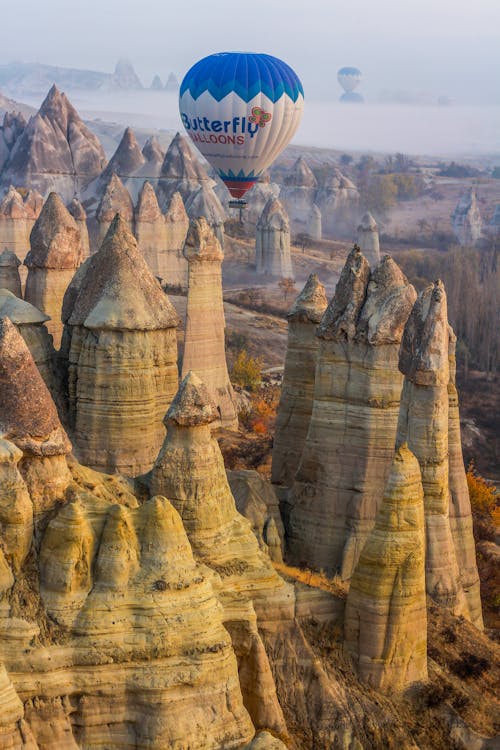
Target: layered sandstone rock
<point>460,508</point>
<point>368,240</point>
<point>272,242</point>
<point>28,418</point>
<point>116,199</point>
<point>204,202</point>
<point>126,163</point>
<point>297,391</point>
<point>122,357</point>
<point>56,151</point>
<point>55,254</point>
<point>30,323</point>
<point>161,238</point>
<point>190,471</point>
<point>79,214</point>
<point>14,224</point>
<point>385,627</point>
<point>423,424</point>
<point>466,219</point>
<point>9,272</point>
<point>349,448</point>
<point>204,351</point>
<point>258,196</point>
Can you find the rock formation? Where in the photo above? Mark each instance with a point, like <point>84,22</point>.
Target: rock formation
<point>156,83</point>
<point>204,202</point>
<point>298,195</point>
<point>368,239</point>
<point>338,200</point>
<point>9,272</point>
<point>315,224</point>
<point>55,254</point>
<point>116,199</point>
<point>14,224</point>
<point>161,238</point>
<point>257,197</point>
<point>204,351</point>
<point>56,151</point>
<point>460,508</point>
<point>125,76</point>
<point>493,227</point>
<point>272,242</point>
<point>423,424</point>
<point>190,471</point>
<point>349,448</point>
<point>385,627</point>
<point>121,351</point>
<point>466,219</point>
<point>12,128</point>
<point>79,214</point>
<point>28,418</point>
<point>297,391</point>
<point>180,172</point>
<point>174,266</point>
<point>154,157</point>
<point>30,323</point>
<point>126,162</point>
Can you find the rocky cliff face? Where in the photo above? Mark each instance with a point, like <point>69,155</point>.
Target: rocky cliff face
<point>349,447</point>
<point>12,128</point>
<point>55,151</point>
<point>9,272</point>
<point>297,390</point>
<point>258,196</point>
<point>272,242</point>
<point>121,352</point>
<point>466,219</point>
<point>204,351</point>
<point>204,202</point>
<point>55,254</point>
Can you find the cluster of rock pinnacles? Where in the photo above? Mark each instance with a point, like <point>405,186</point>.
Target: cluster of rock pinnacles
<point>147,612</point>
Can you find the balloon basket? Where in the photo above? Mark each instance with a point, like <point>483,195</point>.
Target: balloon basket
<point>237,203</point>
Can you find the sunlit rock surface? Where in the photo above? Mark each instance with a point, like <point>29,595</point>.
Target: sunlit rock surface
<point>272,242</point>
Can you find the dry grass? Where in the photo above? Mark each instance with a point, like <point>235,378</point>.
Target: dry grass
<point>311,578</point>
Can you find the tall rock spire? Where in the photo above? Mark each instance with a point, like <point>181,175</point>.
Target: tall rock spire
<point>297,391</point>
<point>368,240</point>
<point>15,225</point>
<point>466,219</point>
<point>272,242</point>
<point>349,447</point>
<point>9,272</point>
<point>122,357</point>
<point>116,199</point>
<point>204,351</point>
<point>55,254</point>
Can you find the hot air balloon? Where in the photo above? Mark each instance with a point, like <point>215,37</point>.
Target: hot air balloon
<point>349,78</point>
<point>240,110</point>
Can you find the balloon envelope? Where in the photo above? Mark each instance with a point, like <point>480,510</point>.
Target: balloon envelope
<point>240,110</point>
<point>349,78</point>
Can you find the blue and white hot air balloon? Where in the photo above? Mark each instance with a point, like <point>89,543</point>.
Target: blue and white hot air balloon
<point>349,78</point>
<point>240,109</point>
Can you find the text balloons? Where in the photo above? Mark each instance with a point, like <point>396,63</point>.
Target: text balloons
<point>240,109</point>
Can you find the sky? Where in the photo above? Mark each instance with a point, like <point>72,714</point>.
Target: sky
<point>428,48</point>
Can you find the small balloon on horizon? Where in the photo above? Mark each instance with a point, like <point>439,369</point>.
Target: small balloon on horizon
<point>349,78</point>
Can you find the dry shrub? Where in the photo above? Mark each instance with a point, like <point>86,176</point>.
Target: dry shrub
<point>247,371</point>
<point>484,502</point>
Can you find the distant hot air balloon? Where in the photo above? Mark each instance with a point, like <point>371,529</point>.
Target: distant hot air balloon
<point>349,78</point>
<point>240,110</point>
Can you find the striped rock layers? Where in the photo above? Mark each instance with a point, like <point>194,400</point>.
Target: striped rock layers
<point>30,323</point>
<point>272,241</point>
<point>460,509</point>
<point>349,448</point>
<point>423,424</point>
<point>29,419</point>
<point>54,256</point>
<point>9,272</point>
<point>14,224</point>
<point>161,237</point>
<point>368,240</point>
<point>385,625</point>
<point>121,351</point>
<point>297,391</point>
<point>204,351</point>
<point>190,472</point>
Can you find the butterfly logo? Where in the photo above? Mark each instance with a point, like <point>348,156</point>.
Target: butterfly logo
<point>260,117</point>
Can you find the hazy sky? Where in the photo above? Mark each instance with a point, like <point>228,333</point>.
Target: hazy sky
<point>449,47</point>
